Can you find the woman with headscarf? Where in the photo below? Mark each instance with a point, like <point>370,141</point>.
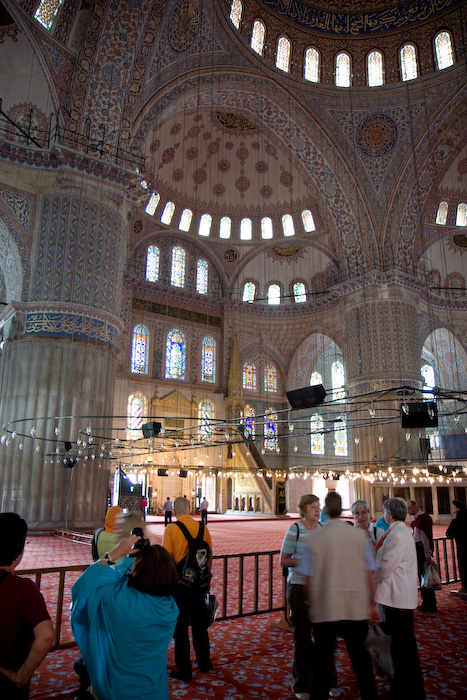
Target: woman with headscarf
<point>457,531</point>
<point>109,537</point>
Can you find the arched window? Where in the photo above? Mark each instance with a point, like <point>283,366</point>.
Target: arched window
<point>47,11</point>
<point>257,37</point>
<point>249,421</point>
<point>236,13</point>
<point>175,355</point>
<point>287,225</point>
<point>245,230</point>
<point>271,442</point>
<point>409,66</point>
<point>311,70</point>
<point>205,225</point>
<point>299,292</point>
<point>343,70</point>
<point>225,227</point>
<point>315,379</point>
<point>140,350</point>
<point>152,263</point>
<point>443,50</point>
<point>205,416</point>
<point>375,69</point>
<point>340,438</point>
<point>308,221</point>
<point>429,381</point>
<point>266,228</point>
<point>317,435</point>
<point>338,380</point>
<point>270,378</point>
<point>442,213</point>
<point>283,54</point>
<point>249,291</point>
<point>185,220</point>
<point>249,376</point>
<point>208,360</point>
<point>202,277</point>
<point>177,273</point>
<point>461,218</point>
<point>274,294</point>
<point>168,213</point>
<point>151,206</point>
<point>137,410</point>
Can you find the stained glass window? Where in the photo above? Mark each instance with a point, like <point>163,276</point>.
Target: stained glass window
<point>315,379</point>
<point>442,214</point>
<point>249,291</point>
<point>177,273</point>
<point>206,416</point>
<point>283,54</point>
<point>299,292</point>
<point>375,68</point>
<point>428,374</point>
<point>461,218</point>
<point>443,49</point>
<point>202,277</point>
<point>152,263</point>
<point>308,221</point>
<point>249,376</point>
<point>257,37</point>
<point>271,441</point>
<point>47,11</point>
<point>270,378</point>
<point>266,228</point>
<point>343,70</point>
<point>140,350</point>
<point>409,65</point>
<point>205,225</point>
<point>208,360</point>
<point>338,380</point>
<point>185,220</point>
<point>274,294</point>
<point>311,65</point>
<point>249,421</point>
<point>340,438</point>
<point>137,409</point>
<point>317,435</point>
<point>287,225</point>
<point>152,204</point>
<point>245,230</point>
<point>236,13</point>
<point>175,355</point>
<point>168,212</point>
<point>225,227</point>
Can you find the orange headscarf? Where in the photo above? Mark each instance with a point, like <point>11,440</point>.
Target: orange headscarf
<point>112,517</point>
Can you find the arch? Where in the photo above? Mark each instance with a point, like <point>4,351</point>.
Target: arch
<point>443,350</point>
<point>236,10</point>
<point>257,36</point>
<point>249,376</point>
<point>375,68</point>
<point>270,378</point>
<point>311,65</point>
<point>13,261</point>
<point>408,62</point>
<point>283,54</point>
<point>343,68</point>
<point>306,359</point>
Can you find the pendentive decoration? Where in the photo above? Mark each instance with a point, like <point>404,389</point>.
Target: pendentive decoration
<point>377,134</point>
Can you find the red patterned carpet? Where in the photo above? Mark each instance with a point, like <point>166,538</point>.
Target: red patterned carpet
<point>251,658</point>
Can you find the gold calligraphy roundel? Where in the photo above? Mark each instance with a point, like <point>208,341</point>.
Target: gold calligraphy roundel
<point>377,134</point>
<point>183,24</point>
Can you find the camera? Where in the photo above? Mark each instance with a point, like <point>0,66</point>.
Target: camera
<point>141,543</point>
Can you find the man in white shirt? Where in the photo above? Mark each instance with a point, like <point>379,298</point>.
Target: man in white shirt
<point>204,505</point>
<point>168,507</point>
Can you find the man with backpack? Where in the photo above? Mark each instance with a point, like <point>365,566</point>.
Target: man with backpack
<point>190,545</point>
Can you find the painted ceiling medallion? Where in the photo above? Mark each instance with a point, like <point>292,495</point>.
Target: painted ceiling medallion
<point>460,239</point>
<point>183,24</point>
<point>377,134</point>
<point>231,121</point>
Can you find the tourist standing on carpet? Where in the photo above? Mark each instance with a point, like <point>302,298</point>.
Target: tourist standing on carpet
<point>167,507</point>
<point>190,599</point>
<point>396,593</point>
<point>123,620</point>
<point>457,531</point>
<point>109,537</point>
<point>422,525</point>
<point>361,515</point>
<point>26,630</point>
<point>204,505</point>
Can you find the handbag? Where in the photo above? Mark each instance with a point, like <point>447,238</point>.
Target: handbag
<point>378,645</point>
<point>430,577</point>
<point>211,607</point>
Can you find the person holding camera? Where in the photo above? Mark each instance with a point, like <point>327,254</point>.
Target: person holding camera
<point>129,612</point>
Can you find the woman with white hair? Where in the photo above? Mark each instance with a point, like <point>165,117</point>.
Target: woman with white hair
<point>397,595</point>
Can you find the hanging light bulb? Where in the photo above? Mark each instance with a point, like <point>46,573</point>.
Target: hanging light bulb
<point>291,427</point>
<point>38,448</point>
<point>33,432</point>
<point>405,408</point>
<point>407,436</point>
<point>356,439</point>
<point>456,418</point>
<point>88,430</point>
<point>380,438</point>
<point>13,434</point>
<point>57,430</point>
<point>295,448</point>
<point>372,412</point>
<point>20,446</point>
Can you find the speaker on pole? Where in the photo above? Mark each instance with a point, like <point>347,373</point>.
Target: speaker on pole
<point>151,429</point>
<point>307,397</point>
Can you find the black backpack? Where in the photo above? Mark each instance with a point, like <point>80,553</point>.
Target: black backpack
<point>96,534</point>
<point>193,569</point>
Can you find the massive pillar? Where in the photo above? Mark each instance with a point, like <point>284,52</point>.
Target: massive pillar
<point>59,356</point>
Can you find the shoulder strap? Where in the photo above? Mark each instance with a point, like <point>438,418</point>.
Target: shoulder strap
<point>200,534</point>
<point>185,531</point>
<point>298,531</point>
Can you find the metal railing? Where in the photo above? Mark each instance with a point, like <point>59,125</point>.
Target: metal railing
<point>243,584</point>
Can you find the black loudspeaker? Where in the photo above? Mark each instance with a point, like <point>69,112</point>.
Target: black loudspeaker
<point>420,415</point>
<point>67,445</point>
<point>182,473</point>
<point>307,397</point>
<point>151,429</point>
<point>162,472</point>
